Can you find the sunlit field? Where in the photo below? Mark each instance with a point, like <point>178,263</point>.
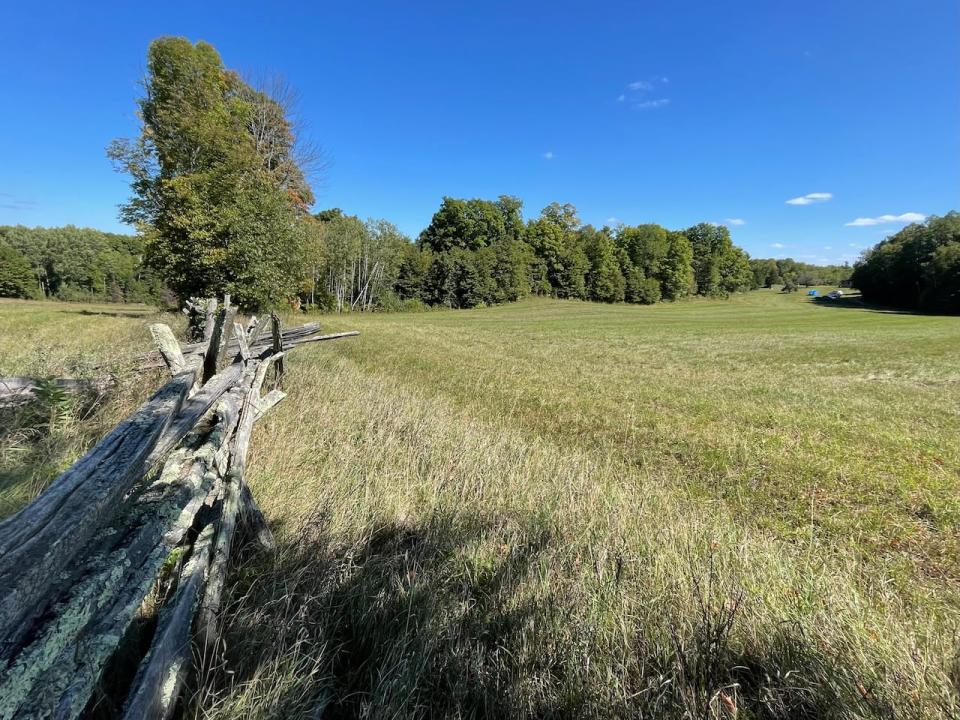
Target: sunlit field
<point>743,507</point>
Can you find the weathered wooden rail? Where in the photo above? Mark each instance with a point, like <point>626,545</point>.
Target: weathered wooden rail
<point>129,547</point>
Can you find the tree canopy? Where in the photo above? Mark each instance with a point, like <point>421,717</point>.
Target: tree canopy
<point>478,251</point>
<point>217,193</point>
<point>918,268</point>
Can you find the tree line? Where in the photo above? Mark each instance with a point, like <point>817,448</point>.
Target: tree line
<point>789,273</point>
<point>479,252</point>
<point>71,263</point>
<point>917,268</point>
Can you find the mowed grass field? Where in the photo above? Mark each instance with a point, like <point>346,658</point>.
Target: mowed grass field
<point>737,508</point>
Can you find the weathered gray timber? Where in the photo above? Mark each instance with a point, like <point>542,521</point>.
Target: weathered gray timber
<point>169,347</point>
<point>38,543</point>
<point>19,390</point>
<point>152,511</point>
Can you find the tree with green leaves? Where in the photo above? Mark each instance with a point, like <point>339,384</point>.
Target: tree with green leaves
<point>466,224</point>
<point>71,263</point>
<point>412,269</point>
<point>677,279</point>
<point>647,246</point>
<point>604,279</point>
<point>719,267</point>
<point>510,270</point>
<point>917,268</point>
<point>556,244</point>
<point>564,215</point>
<point>216,191</point>
<point>765,273</point>
<point>16,276</point>
<point>735,272</point>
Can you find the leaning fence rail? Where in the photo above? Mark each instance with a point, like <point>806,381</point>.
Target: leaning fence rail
<point>148,516</point>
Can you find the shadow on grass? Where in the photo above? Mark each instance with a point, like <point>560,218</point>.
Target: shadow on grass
<point>131,314</point>
<point>404,620</point>
<point>856,302</point>
<point>470,616</point>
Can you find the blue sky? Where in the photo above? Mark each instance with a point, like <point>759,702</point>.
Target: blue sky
<point>669,112</point>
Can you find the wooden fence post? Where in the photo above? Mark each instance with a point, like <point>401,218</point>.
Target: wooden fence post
<point>277,344</point>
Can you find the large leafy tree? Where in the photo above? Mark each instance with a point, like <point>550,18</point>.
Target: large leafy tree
<point>719,267</point>
<point>16,276</point>
<point>605,281</point>
<point>216,192</point>
<point>677,269</point>
<point>647,246</point>
<point>765,273</point>
<point>466,224</point>
<point>562,260</point>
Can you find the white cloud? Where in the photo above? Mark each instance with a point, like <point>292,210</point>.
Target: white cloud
<point>548,155</point>
<point>828,247</point>
<point>810,198</point>
<point>638,87</point>
<point>779,246</point>
<point>736,221</point>
<point>652,104</point>
<point>612,220</point>
<point>909,217</point>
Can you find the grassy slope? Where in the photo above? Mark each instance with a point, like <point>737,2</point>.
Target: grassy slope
<point>566,508</point>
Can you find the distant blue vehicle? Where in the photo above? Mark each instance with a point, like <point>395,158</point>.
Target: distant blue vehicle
<point>812,293</point>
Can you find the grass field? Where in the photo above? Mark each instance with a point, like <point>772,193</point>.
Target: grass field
<point>705,509</point>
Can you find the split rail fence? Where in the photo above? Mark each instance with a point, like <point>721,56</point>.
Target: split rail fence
<point>114,574</point>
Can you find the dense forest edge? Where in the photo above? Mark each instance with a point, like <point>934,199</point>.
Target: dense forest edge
<point>457,262</point>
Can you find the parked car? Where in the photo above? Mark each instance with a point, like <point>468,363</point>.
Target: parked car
<point>835,294</point>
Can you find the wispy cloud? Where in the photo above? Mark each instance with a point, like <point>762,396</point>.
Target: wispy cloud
<point>612,220</point>
<point>9,201</point>
<point>810,198</point>
<point>652,104</point>
<point>548,155</point>
<point>778,246</point>
<point>638,92</point>
<point>735,221</point>
<point>909,217</point>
